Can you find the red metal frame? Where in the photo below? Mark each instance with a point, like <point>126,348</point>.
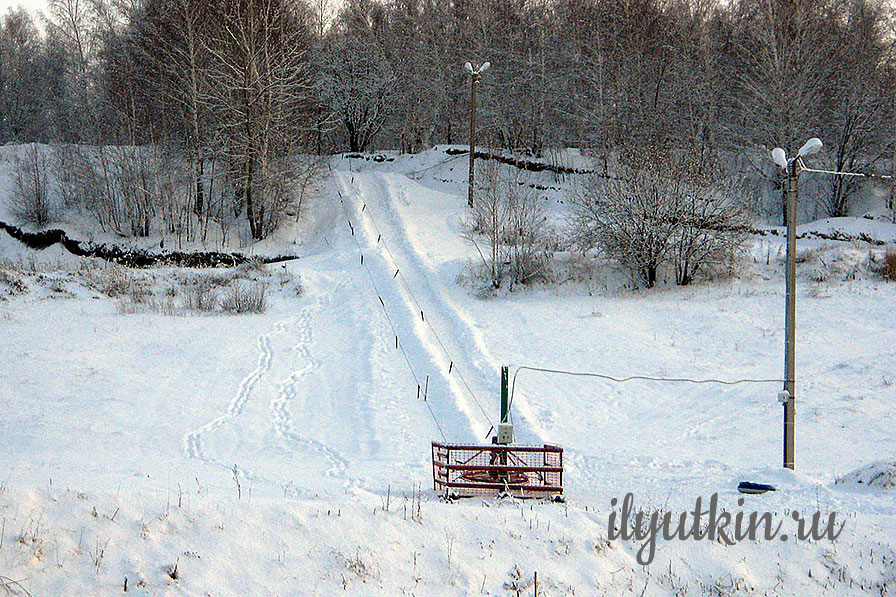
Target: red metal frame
<point>465,470</point>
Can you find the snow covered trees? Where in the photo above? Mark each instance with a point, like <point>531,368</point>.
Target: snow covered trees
<point>593,74</point>
<point>225,85</point>
<point>652,213</point>
<point>31,81</point>
<point>260,95</point>
<point>357,83</point>
<point>858,106</point>
<point>234,87</point>
<point>169,35</point>
<point>812,67</point>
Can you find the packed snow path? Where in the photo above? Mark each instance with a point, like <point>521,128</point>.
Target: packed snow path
<point>315,395</point>
<point>468,374</point>
<point>314,381</point>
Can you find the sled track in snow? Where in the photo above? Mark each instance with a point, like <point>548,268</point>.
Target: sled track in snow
<point>443,333</point>
<point>450,340</point>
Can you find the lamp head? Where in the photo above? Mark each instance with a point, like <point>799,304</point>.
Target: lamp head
<point>779,156</point>
<point>469,67</point>
<point>485,66</point>
<point>813,145</point>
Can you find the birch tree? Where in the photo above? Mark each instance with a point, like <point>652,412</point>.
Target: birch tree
<point>260,93</point>
<point>170,34</point>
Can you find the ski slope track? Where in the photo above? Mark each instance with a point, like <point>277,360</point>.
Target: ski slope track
<point>293,374</point>
<point>442,330</point>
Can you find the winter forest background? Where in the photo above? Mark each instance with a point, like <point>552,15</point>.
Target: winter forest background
<point>189,115</point>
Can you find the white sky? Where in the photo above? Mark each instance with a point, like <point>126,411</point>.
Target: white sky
<point>32,5</point>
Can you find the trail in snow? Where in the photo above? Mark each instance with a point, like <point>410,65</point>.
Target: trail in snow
<point>395,208</point>
<point>321,403</point>
<point>288,388</point>
<point>193,439</point>
<point>304,387</point>
<point>294,385</point>
<point>448,335</point>
<point>409,313</point>
<point>289,344</point>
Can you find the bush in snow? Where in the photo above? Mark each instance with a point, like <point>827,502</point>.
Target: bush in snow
<point>658,210</point>
<point>878,474</point>
<point>713,222</point>
<point>888,269</point>
<point>30,198</point>
<point>201,296</point>
<point>508,214</point>
<point>12,284</point>
<point>246,298</point>
<point>113,281</point>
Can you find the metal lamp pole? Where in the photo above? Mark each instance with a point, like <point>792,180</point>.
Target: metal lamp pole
<point>474,78</point>
<point>787,397</point>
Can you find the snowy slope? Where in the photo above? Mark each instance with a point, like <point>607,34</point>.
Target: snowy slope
<point>288,453</point>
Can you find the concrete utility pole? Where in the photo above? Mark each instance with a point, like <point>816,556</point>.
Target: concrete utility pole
<point>793,176</point>
<point>474,78</point>
<point>793,167</point>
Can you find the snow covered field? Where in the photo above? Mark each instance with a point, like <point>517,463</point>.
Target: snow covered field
<point>289,453</point>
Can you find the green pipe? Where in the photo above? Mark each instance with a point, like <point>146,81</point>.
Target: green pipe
<point>505,406</point>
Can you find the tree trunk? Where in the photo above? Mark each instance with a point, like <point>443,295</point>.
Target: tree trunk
<point>251,214</point>
<point>198,172</point>
<point>649,274</point>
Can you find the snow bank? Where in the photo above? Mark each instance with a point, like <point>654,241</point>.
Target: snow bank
<point>878,474</point>
<point>289,452</point>
<point>189,540</point>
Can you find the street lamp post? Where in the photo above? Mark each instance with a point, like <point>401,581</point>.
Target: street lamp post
<point>787,397</point>
<point>474,78</point>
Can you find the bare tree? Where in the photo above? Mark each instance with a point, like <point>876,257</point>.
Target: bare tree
<point>527,235</point>
<point>660,210</point>
<point>260,94</point>
<point>23,80</point>
<point>511,218</point>
<point>858,117</point>
<point>168,35</point>
<point>488,219</point>
<point>630,218</point>
<point>784,60</point>
<point>30,198</point>
<point>713,222</point>
<point>72,20</point>
<point>76,180</point>
<point>73,24</point>
<point>358,84</point>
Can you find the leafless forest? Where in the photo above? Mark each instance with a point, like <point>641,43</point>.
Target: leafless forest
<point>188,115</point>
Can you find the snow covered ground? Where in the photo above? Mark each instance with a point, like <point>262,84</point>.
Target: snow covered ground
<point>289,453</point>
